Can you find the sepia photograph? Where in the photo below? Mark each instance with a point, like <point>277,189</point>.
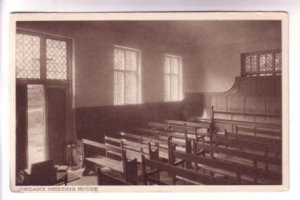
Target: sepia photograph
<point>159,100</point>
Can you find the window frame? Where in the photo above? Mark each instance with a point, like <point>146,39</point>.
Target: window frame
<point>179,77</point>
<point>43,58</point>
<point>125,71</point>
<point>259,73</point>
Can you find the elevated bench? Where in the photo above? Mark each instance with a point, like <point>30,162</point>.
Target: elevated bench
<point>260,133</point>
<point>112,157</point>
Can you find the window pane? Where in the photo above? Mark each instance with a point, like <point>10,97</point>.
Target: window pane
<point>269,62</point>
<point>248,66</point>
<point>131,61</point>
<point>172,78</point>
<point>167,87</point>
<point>262,63</point>
<point>278,61</point>
<point>27,56</point>
<point>56,52</point>
<point>174,88</point>
<point>174,66</point>
<point>118,88</point>
<point>126,86</point>
<point>119,59</point>
<point>167,65</point>
<point>130,88</point>
<point>254,63</point>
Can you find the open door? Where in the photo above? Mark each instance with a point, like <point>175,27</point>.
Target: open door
<point>21,127</point>
<point>57,123</point>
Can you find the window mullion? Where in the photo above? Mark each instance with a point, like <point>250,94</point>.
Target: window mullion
<point>43,59</point>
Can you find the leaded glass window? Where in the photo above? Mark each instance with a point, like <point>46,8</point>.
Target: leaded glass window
<point>173,78</point>
<point>56,59</point>
<point>40,57</point>
<point>126,76</point>
<point>265,63</point>
<point>28,53</point>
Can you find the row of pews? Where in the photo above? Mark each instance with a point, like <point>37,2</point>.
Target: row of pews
<point>183,152</point>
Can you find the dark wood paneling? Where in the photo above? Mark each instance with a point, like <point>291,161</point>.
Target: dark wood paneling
<point>57,123</point>
<point>265,86</point>
<point>235,103</point>
<point>261,95</point>
<point>273,105</point>
<point>247,87</point>
<point>278,87</point>
<point>94,122</point>
<point>255,104</point>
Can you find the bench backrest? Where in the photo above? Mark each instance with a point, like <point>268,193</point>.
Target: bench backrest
<point>242,143</point>
<point>241,154</point>
<point>238,169</point>
<point>197,125</point>
<point>177,171</point>
<point>104,147</point>
<point>129,166</point>
<point>260,132</point>
<point>264,141</point>
<point>174,127</point>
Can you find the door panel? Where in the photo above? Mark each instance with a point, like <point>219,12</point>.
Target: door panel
<point>56,123</point>
<point>21,127</point>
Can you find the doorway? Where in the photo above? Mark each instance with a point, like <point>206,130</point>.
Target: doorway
<point>44,121</point>
<point>36,138</point>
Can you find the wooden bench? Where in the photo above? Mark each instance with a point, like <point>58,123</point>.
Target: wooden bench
<point>110,178</point>
<point>260,143</point>
<point>230,122</point>
<point>259,132</point>
<point>201,127</point>
<point>217,168</point>
<point>151,168</point>
<point>111,157</point>
<point>270,152</point>
<point>137,141</point>
<point>247,161</point>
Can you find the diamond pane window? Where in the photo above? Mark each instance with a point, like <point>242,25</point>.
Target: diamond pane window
<point>173,78</point>
<point>119,60</point>
<point>248,64</point>
<point>261,63</point>
<point>254,63</point>
<point>277,62</point>
<point>28,52</point>
<point>118,88</point>
<point>131,61</point>
<point>269,62</point>
<point>56,53</point>
<point>126,76</point>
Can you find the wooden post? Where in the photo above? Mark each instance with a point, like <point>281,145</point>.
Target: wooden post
<point>144,173</point>
<point>212,124</point>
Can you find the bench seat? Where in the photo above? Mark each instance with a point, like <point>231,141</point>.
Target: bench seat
<point>102,161</point>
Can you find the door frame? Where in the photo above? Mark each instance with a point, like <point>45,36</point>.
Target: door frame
<point>47,83</point>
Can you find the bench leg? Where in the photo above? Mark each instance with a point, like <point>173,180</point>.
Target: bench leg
<point>87,168</point>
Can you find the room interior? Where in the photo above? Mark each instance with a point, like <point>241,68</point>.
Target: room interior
<point>83,103</point>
